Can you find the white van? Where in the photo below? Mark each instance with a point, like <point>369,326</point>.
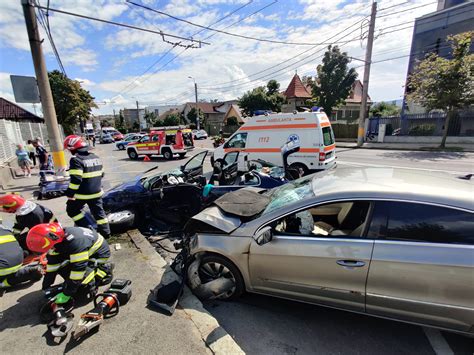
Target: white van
<point>262,137</point>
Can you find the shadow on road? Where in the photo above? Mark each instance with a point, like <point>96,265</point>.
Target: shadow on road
<point>266,325</point>
<point>423,155</point>
<point>24,312</point>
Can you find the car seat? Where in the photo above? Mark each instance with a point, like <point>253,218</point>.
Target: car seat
<point>325,228</point>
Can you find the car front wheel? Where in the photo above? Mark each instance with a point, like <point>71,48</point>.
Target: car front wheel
<point>132,154</point>
<point>213,267</point>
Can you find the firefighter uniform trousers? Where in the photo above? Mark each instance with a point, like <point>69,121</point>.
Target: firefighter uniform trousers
<point>81,259</point>
<point>86,173</point>
<point>11,258</point>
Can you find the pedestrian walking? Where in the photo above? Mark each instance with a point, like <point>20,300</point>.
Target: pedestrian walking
<point>85,187</point>
<point>31,151</point>
<point>43,156</point>
<point>24,161</point>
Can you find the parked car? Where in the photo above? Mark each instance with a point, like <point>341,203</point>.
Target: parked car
<point>128,139</point>
<point>199,134</point>
<point>106,138</point>
<point>385,242</point>
<point>172,197</point>
<point>117,136</point>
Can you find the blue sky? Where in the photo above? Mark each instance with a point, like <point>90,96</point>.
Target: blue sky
<point>109,60</point>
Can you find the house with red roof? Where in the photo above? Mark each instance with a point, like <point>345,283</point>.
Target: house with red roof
<point>296,95</point>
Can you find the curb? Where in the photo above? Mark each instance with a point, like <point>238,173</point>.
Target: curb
<point>213,335</point>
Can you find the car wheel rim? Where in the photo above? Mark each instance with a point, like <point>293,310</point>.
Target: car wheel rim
<point>117,217</point>
<point>212,271</point>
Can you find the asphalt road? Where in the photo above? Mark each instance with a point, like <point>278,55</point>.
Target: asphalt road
<point>266,325</point>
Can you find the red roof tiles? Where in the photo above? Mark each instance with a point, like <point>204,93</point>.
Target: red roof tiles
<point>297,89</point>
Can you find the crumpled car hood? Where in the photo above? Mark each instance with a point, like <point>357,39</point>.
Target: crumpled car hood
<point>214,217</point>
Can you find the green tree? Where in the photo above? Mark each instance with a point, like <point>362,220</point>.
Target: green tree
<point>445,84</point>
<point>192,115</point>
<point>334,80</point>
<point>262,98</point>
<point>384,109</point>
<point>71,101</point>
<point>121,123</point>
<point>171,120</point>
<point>150,118</point>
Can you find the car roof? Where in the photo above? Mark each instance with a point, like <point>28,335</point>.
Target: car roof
<point>394,183</point>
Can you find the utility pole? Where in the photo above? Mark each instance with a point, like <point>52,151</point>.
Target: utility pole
<point>198,127</point>
<point>47,103</point>
<point>365,89</point>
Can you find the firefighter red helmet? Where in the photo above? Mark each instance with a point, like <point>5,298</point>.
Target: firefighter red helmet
<point>74,142</point>
<point>42,237</point>
<point>11,203</point>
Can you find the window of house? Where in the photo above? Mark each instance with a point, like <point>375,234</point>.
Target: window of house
<point>422,223</point>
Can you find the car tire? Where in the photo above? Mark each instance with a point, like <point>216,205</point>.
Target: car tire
<point>132,154</point>
<point>167,154</point>
<point>301,166</point>
<point>121,221</point>
<point>214,266</point>
<point>182,155</point>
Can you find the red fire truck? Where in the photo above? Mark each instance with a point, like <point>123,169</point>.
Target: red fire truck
<point>164,141</point>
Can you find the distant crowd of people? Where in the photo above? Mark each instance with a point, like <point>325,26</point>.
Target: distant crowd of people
<point>28,155</point>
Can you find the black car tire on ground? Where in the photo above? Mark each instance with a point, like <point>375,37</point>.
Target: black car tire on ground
<point>121,221</point>
<point>219,264</point>
<point>167,154</point>
<point>182,155</point>
<point>132,154</point>
<point>301,166</point>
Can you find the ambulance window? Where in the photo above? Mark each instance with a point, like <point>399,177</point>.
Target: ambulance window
<point>237,141</point>
<point>328,136</point>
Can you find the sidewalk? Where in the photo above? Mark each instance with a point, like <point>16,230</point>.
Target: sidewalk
<point>407,146</point>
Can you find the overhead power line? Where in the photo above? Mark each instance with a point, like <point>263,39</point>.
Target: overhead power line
<point>225,32</point>
<point>161,33</point>
<point>405,10</point>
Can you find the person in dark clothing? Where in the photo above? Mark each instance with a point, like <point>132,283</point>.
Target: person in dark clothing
<point>27,215</point>
<point>43,157</point>
<point>12,271</point>
<point>31,151</point>
<point>85,187</point>
<point>79,255</point>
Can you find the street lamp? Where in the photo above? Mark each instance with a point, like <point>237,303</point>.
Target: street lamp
<point>197,107</point>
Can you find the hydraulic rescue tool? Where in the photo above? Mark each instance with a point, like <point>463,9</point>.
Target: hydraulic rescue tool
<point>58,316</point>
<point>117,295</point>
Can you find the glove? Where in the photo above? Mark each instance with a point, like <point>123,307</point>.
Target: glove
<point>61,298</point>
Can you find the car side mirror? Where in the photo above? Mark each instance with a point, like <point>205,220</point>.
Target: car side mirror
<point>264,236</point>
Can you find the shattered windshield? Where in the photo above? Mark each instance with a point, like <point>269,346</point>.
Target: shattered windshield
<point>148,181</point>
<point>289,193</point>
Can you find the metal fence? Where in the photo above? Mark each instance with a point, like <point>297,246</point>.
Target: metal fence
<point>13,133</point>
<point>425,124</point>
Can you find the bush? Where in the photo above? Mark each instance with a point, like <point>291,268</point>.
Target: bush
<point>422,130</point>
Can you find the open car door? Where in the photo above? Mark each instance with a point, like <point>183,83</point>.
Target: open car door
<point>230,170</point>
<point>194,166</point>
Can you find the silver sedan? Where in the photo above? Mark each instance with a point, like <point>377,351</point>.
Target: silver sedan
<point>385,242</point>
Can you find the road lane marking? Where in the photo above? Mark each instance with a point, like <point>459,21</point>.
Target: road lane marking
<point>437,341</point>
<point>342,162</point>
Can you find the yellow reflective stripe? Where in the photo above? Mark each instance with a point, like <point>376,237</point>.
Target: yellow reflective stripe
<point>52,267</point>
<point>10,204</point>
<point>75,172</point>
<point>7,238</point>
<point>102,221</point>
<point>93,174</point>
<point>77,275</point>
<point>101,260</point>
<point>88,197</point>
<point>78,257</point>
<point>101,273</point>
<point>96,245</point>
<point>73,186</point>
<point>9,270</point>
<point>78,217</point>
<point>89,278</point>
<point>5,283</point>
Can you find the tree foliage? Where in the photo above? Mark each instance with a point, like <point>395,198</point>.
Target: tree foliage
<point>334,80</point>
<point>384,109</point>
<point>171,120</point>
<point>151,118</point>
<point>445,84</point>
<point>120,125</point>
<point>262,98</point>
<point>71,101</point>
<point>192,115</point>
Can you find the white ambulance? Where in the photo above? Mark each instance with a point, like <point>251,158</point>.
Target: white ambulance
<point>262,136</point>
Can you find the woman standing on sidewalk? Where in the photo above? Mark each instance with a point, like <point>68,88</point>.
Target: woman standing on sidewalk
<point>31,151</point>
<point>23,160</point>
